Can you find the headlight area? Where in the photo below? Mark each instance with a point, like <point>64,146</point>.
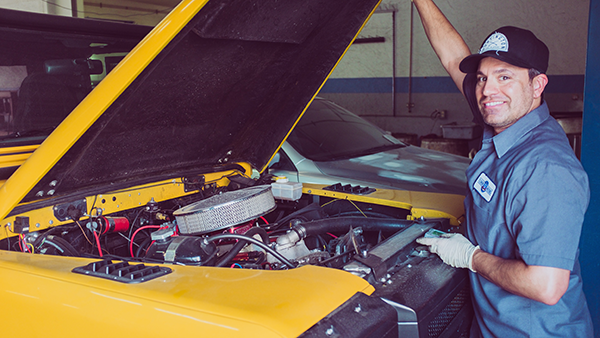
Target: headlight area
<point>416,295</point>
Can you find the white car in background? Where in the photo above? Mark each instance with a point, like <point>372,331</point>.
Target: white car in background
<point>331,145</point>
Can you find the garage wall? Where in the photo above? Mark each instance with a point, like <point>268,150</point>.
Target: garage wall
<point>143,12</point>
<point>56,7</point>
<point>371,71</point>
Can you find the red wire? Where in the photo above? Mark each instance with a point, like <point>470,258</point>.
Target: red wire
<point>138,230</point>
<point>332,235</point>
<point>149,246</point>
<point>264,220</point>
<point>98,243</point>
<point>25,247</point>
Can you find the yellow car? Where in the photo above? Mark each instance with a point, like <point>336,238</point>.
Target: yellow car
<point>148,210</point>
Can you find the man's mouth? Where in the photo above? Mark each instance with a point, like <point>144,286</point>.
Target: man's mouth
<point>492,104</point>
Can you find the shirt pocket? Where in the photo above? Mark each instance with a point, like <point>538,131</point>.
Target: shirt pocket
<point>490,230</point>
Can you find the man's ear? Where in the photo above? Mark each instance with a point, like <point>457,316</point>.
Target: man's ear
<point>539,84</point>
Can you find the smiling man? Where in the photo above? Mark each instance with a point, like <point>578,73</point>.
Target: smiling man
<point>528,193</point>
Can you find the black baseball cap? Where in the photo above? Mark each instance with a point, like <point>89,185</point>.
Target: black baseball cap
<point>513,45</point>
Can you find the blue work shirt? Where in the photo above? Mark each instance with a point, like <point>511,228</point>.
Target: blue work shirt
<point>527,197</point>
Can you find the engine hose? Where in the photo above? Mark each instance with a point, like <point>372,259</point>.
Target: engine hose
<point>343,224</point>
<point>61,245</point>
<point>284,221</point>
<point>256,242</point>
<point>241,244</point>
<point>141,247</point>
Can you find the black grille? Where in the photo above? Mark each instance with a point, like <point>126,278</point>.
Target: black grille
<point>443,319</point>
<point>122,271</point>
<point>350,189</point>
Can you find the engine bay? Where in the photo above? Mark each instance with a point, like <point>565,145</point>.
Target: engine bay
<point>237,228</point>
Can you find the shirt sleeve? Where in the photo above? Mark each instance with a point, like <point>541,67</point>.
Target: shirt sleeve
<point>546,214</point>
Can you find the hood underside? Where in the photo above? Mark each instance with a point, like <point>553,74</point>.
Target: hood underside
<point>227,88</point>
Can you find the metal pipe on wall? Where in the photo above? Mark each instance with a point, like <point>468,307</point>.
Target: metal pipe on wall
<point>410,104</point>
<point>394,63</point>
<point>74,8</point>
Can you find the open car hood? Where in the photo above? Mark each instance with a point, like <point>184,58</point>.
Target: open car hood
<point>214,84</point>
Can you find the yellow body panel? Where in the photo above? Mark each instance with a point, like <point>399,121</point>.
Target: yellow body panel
<point>191,301</point>
<point>20,149</point>
<point>15,156</point>
<point>420,204</point>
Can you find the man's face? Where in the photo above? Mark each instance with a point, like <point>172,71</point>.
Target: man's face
<point>505,93</point>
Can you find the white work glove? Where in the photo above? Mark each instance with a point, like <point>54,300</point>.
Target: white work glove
<point>454,249</point>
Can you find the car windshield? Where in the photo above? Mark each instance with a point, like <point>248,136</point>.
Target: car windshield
<point>43,76</point>
<point>328,132</point>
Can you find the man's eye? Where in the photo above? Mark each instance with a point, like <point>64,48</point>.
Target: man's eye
<point>482,79</point>
<point>504,77</point>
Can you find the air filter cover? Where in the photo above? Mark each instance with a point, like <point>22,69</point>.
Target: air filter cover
<point>225,210</point>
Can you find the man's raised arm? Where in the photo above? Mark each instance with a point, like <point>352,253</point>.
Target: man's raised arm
<point>449,46</point>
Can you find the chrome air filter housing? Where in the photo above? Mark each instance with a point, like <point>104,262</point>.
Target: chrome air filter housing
<point>225,210</point>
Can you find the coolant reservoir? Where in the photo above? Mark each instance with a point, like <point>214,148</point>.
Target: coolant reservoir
<point>283,189</point>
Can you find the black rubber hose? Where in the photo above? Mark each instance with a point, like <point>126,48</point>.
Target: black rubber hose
<point>309,208</point>
<point>343,224</point>
<point>241,244</point>
<point>147,241</point>
<point>61,245</point>
<point>256,242</point>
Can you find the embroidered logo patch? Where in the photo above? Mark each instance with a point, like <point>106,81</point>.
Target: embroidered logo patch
<point>496,42</point>
<point>485,187</point>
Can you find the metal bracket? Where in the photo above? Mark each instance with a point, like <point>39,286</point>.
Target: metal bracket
<point>70,210</point>
<point>193,183</point>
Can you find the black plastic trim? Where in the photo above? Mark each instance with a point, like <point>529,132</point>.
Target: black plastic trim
<point>360,316</point>
<point>122,271</point>
<point>350,189</point>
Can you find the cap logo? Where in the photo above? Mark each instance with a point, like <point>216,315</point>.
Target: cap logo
<point>496,42</point>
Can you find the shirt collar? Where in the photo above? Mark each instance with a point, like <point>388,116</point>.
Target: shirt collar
<point>511,135</point>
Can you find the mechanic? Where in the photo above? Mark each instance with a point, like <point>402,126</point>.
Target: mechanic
<point>528,193</point>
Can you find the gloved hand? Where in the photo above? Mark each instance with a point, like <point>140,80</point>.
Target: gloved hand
<point>454,249</point>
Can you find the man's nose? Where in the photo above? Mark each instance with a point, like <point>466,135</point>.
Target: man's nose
<point>489,87</point>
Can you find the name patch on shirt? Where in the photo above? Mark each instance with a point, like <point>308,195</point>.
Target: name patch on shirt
<point>485,187</point>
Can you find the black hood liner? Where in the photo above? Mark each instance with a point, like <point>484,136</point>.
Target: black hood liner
<point>227,89</point>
